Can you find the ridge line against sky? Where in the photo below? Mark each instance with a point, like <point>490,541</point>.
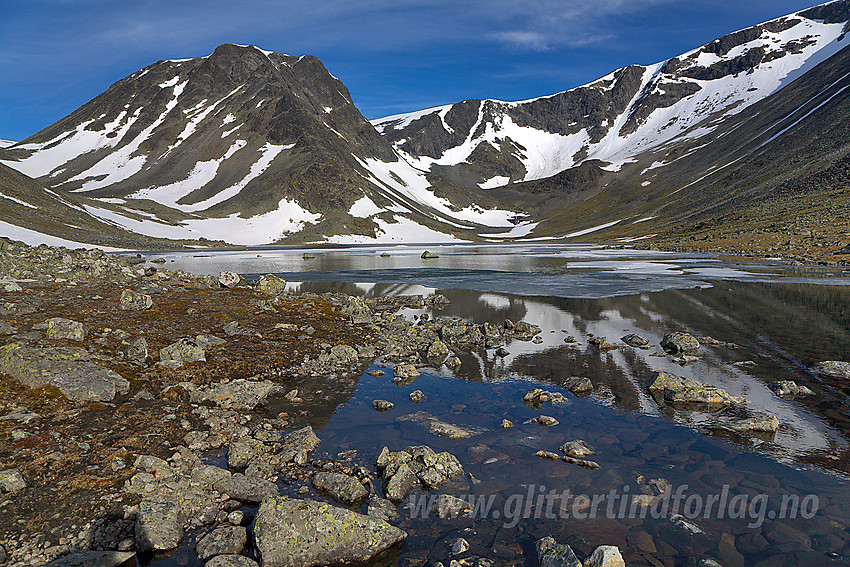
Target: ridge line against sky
<point>394,56</point>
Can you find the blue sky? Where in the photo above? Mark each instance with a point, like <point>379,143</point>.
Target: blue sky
<point>394,55</point>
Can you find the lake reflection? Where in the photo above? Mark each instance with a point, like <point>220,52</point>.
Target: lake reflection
<point>778,321</point>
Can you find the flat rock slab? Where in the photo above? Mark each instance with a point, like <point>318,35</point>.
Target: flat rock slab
<point>231,561</point>
<point>246,488</point>
<point>225,540</point>
<point>290,532</point>
<point>66,368</point>
<point>95,559</point>
<point>297,444</point>
<point>834,368</point>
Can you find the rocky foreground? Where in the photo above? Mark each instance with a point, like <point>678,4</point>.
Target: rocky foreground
<point>119,379</point>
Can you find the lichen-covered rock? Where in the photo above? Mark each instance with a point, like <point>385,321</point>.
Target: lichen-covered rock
<point>382,509</point>
<point>419,465</point>
<point>242,451</point>
<point>406,371</point>
<point>302,533</point>
<point>246,488</point>
<point>679,343</point>
<point>239,394</point>
<point>576,448</point>
<point>344,354</point>
<point>137,350</point>
<point>94,559</point>
<point>789,388</point>
<point>382,405</point>
<point>231,561</point>
<point>133,301</point>
<point>296,445</point>
<point>834,369</point>
<point>60,328</point>
<point>428,255</point>
<point>767,424</point>
<point>11,480</point>
<point>181,351</point>
<point>340,487</point>
<point>224,540</point>
<point>605,556</point>
<point>437,352</point>
<point>416,396</point>
<point>271,285</point>
<point>66,368</point>
<point>159,526</point>
<point>708,395</point>
<point>637,341</point>
<point>660,381</point>
<point>447,506</point>
<point>229,279</point>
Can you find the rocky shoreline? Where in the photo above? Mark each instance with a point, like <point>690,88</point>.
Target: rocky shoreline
<point>119,380</point>
<point>143,409</point>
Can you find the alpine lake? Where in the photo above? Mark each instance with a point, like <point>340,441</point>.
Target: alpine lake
<point>675,484</point>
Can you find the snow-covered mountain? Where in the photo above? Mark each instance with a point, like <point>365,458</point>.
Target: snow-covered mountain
<point>244,146</point>
<point>491,143</point>
<point>247,146</point>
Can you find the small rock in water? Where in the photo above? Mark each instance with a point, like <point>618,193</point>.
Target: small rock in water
<point>502,352</point>
<point>446,506</point>
<point>679,343</point>
<point>578,385</point>
<point>576,448</point>
<point>416,396</point>
<point>787,388</point>
<point>602,344</point>
<point>307,256</point>
<point>834,369</point>
<point>506,423</point>
<point>550,553</point>
<point>383,405</point>
<point>545,421</point>
<point>605,556</point>
<point>459,546</point>
<point>768,424</point>
<point>637,341</point>
<point>428,255</point>
<point>376,373</point>
<point>405,371</point>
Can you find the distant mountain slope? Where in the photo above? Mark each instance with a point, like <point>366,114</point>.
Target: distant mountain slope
<point>246,146</point>
<point>491,143</point>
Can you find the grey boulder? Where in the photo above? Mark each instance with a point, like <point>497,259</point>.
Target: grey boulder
<point>290,532</point>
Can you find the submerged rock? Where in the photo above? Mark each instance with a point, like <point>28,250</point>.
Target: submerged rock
<point>302,533</point>
<point>550,553</point>
<point>68,369</point>
<point>767,424</point>
<point>679,343</point>
<point>438,427</point>
<point>447,506</point>
<point>576,448</point>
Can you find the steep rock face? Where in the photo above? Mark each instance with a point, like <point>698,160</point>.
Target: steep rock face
<point>622,115</point>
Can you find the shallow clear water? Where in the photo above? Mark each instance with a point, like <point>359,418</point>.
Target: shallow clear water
<point>784,320</point>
